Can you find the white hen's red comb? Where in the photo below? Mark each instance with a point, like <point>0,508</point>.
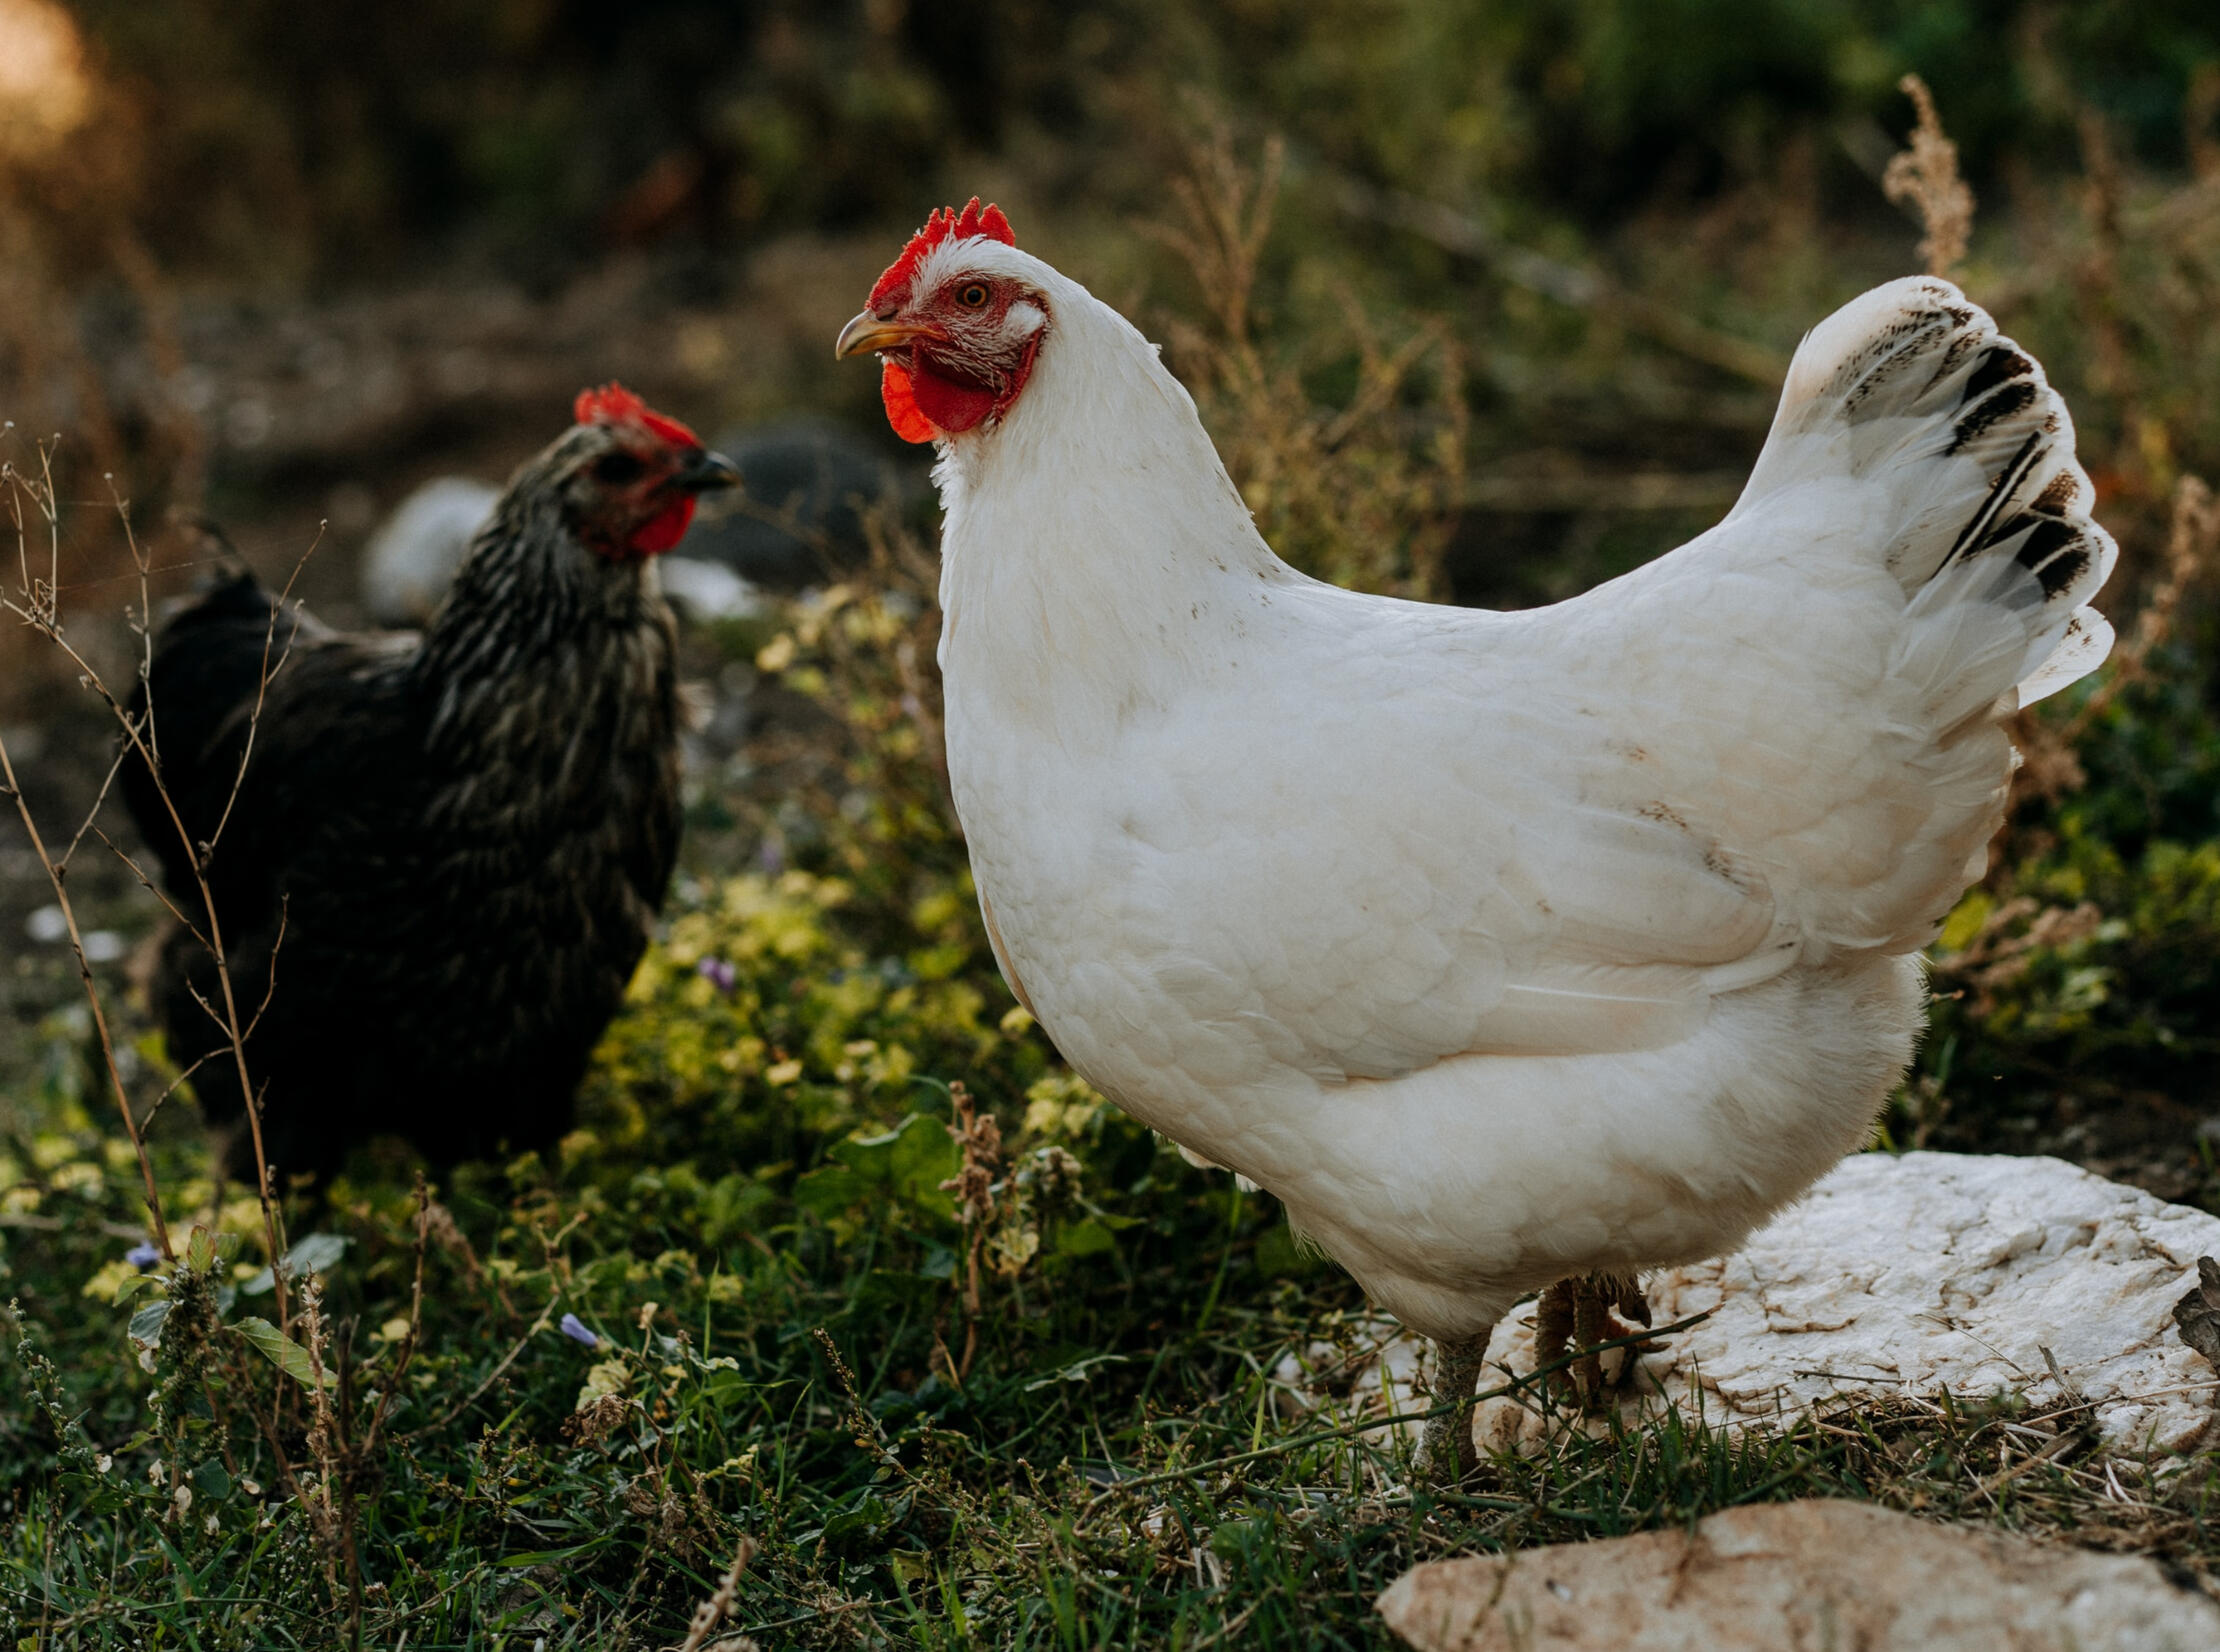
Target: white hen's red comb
<point>946,224</point>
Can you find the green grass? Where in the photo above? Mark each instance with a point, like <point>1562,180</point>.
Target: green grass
<point>780,1382</point>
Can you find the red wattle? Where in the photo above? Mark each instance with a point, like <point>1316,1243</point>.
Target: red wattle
<point>949,403</point>
<point>900,398</point>
<point>664,529</point>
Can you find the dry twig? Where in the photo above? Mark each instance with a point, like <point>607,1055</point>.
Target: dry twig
<point>2002,951</point>
<point>39,607</point>
<point>981,1140</point>
<point>1364,495</point>
<point>1923,177</point>
<point>2192,546</point>
<point>714,1610</point>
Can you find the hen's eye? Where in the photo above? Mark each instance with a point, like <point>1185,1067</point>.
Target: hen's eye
<point>972,295</point>
<point>618,467</point>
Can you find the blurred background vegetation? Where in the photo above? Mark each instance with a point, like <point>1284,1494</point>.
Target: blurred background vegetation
<point>1483,302</point>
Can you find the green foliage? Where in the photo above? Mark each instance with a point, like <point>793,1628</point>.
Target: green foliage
<point>2083,980</point>
<point>543,128</point>
<point>764,1025</point>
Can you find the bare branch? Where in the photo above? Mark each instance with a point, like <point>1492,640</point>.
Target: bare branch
<point>262,687</point>
<point>92,997</point>
<point>149,884</point>
<point>93,813</point>
<point>175,1085</point>
<point>269,990</point>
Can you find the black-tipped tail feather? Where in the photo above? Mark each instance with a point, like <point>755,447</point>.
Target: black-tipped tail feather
<point>1967,457</point>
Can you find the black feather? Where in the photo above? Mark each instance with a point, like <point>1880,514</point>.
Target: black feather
<point>463,841</point>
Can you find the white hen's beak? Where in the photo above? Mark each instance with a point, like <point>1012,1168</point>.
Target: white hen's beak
<point>872,332</point>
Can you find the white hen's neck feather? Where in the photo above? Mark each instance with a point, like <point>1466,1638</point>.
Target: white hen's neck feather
<point>1093,546</point>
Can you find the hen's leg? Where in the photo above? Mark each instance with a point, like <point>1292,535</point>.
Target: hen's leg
<point>1553,1328</point>
<point>1447,1453</point>
<point>1588,1323</point>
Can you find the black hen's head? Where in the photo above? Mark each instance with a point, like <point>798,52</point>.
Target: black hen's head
<point>626,477</point>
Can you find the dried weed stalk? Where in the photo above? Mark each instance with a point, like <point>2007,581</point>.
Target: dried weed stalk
<point>34,508</point>
<point>2003,950</point>
<point>328,1499</point>
<point>1923,177</point>
<point>869,1436</point>
<point>1364,495</point>
<point>980,1138</point>
<point>2051,769</point>
<point>2098,284</point>
<point>37,603</point>
<point>715,1609</point>
<point>2192,546</point>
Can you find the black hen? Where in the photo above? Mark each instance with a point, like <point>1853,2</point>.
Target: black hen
<point>446,852</point>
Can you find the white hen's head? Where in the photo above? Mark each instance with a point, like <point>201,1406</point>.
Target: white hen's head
<point>957,322</point>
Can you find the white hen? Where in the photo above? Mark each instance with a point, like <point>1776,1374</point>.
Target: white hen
<point>1501,947</point>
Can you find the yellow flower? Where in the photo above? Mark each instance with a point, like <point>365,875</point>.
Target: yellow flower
<point>610,1376</point>
<point>102,1286</point>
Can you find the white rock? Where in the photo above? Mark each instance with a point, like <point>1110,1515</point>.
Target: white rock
<point>409,561</point>
<point>1814,1574</point>
<point>707,590</point>
<point>1906,1276</point>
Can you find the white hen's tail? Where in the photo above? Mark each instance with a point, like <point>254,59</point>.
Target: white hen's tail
<point>1915,446</point>
<point>1957,439</point>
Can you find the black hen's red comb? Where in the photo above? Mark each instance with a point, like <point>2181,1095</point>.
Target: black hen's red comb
<point>946,224</point>
<point>614,404</point>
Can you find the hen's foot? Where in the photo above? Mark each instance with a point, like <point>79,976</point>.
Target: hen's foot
<point>1446,1453</point>
<point>1577,1314</point>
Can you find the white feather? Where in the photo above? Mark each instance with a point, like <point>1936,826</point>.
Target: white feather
<point>1503,946</point>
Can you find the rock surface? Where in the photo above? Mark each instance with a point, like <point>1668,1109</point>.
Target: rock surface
<point>409,561</point>
<point>1801,1576</point>
<point>1903,1276</point>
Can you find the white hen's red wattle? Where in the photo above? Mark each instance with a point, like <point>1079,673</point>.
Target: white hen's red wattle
<point>1502,947</point>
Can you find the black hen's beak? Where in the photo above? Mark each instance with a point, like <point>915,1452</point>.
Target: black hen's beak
<point>706,472</point>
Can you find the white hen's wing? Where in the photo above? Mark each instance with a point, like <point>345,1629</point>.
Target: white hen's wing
<point>1569,830</point>
<point>1405,871</point>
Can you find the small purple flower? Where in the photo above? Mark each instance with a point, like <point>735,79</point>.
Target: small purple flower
<point>142,1255</point>
<point>575,1328</point>
<point>717,972</point>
